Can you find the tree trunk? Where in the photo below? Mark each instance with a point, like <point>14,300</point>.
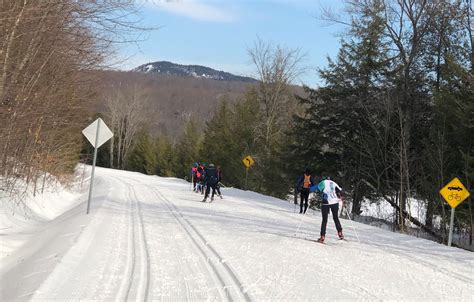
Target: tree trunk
<point>407,215</point>
<point>44,183</point>
<point>356,200</point>
<point>111,152</point>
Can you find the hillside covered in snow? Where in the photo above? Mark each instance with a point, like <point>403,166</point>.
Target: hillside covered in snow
<point>151,238</point>
<point>195,71</point>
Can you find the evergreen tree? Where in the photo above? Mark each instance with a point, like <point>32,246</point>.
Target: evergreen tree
<point>218,143</point>
<point>337,135</point>
<point>187,150</point>
<point>244,122</point>
<point>229,136</point>
<point>449,61</point>
<point>453,134</point>
<point>166,159</point>
<point>144,157</point>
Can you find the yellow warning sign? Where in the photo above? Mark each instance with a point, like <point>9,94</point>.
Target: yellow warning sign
<point>248,161</point>
<point>454,192</point>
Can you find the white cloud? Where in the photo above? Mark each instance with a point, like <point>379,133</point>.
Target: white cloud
<point>193,9</point>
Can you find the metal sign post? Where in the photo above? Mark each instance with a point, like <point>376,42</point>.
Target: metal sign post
<point>246,175</point>
<point>454,193</point>
<point>248,161</point>
<point>97,134</point>
<point>451,225</point>
<point>93,166</point>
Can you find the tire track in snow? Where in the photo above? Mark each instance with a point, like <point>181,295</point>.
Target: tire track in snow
<point>225,275</point>
<point>135,286</point>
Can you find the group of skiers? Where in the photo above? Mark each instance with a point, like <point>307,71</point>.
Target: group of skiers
<point>206,178</point>
<point>331,195</point>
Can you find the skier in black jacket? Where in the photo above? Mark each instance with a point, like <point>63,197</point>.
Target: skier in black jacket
<point>303,184</point>
<point>211,180</point>
<point>219,179</point>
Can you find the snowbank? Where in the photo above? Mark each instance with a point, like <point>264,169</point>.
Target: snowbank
<point>22,214</point>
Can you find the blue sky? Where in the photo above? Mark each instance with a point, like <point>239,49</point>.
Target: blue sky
<point>218,33</point>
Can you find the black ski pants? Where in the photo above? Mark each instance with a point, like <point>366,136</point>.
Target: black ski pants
<point>325,211</point>
<point>208,188</point>
<point>304,195</point>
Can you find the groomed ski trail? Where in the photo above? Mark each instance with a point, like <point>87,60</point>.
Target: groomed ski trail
<point>228,282</point>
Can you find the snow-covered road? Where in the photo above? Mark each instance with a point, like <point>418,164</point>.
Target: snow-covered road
<point>150,238</point>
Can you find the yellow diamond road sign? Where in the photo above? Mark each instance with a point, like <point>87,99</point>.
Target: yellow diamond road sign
<point>248,161</point>
<point>454,192</point>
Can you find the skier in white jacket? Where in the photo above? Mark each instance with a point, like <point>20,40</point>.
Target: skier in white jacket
<point>331,195</point>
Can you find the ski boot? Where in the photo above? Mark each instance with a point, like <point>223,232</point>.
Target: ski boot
<point>321,239</point>
<point>204,200</point>
<point>220,195</point>
<point>341,236</point>
<point>212,199</point>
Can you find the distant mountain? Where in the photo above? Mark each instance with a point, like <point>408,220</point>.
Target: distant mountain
<point>195,71</point>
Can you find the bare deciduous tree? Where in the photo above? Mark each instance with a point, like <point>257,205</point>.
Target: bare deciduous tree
<point>127,111</point>
<point>276,67</point>
<point>48,50</point>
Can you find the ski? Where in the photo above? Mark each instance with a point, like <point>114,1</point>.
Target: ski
<point>314,240</point>
<point>325,242</point>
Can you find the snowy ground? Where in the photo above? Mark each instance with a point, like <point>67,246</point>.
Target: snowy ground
<point>149,238</point>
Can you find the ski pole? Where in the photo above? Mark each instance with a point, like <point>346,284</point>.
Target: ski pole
<point>221,184</point>
<point>294,201</point>
<point>301,221</point>
<point>352,224</point>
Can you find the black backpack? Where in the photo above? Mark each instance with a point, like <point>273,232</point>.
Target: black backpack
<point>211,175</point>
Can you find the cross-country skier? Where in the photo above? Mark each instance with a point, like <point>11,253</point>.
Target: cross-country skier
<point>211,180</point>
<point>303,184</point>
<point>194,177</point>
<point>331,195</point>
<point>219,179</point>
<point>200,178</point>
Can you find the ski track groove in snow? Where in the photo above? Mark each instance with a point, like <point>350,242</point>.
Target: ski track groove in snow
<point>130,285</point>
<point>206,259</point>
<point>177,215</point>
<point>145,254</point>
<point>126,283</point>
<point>202,245</point>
